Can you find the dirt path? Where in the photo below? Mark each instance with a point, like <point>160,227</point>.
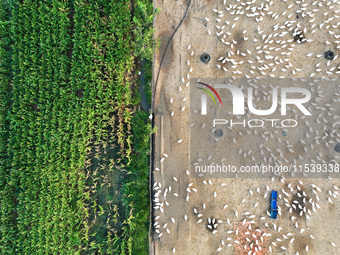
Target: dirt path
<point>177,226</point>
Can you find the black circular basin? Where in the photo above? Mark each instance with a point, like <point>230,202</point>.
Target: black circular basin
<point>205,57</point>
<point>329,55</point>
<point>337,148</point>
<point>218,132</point>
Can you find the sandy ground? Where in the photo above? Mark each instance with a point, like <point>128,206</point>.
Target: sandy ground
<point>181,200</point>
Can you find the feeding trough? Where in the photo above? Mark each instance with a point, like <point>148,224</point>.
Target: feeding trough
<point>273,205</point>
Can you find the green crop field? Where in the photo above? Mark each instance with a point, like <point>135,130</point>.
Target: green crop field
<point>74,143</point>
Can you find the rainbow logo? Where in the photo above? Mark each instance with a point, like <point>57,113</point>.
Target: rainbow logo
<point>209,93</point>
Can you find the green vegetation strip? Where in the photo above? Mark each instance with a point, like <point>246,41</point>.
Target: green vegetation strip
<point>74,146</point>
